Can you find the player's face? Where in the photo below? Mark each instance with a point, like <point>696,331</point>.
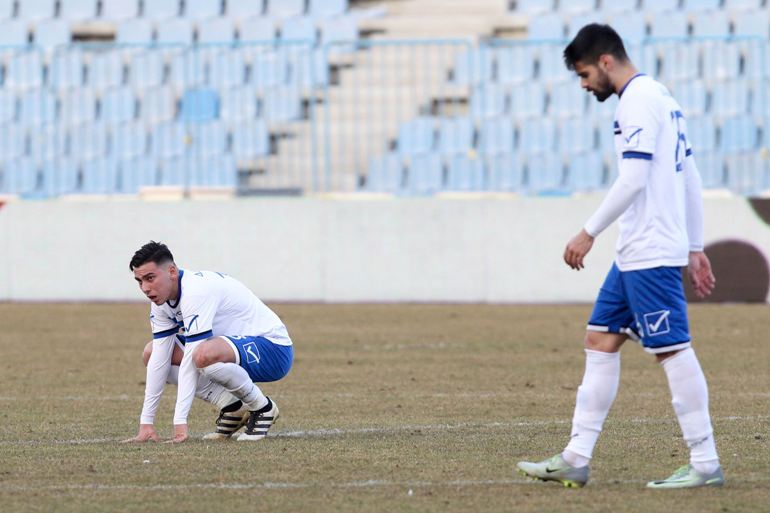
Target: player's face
<point>158,283</point>
<point>594,80</point>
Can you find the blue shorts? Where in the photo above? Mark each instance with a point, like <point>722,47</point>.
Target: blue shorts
<point>647,305</point>
<point>264,360</point>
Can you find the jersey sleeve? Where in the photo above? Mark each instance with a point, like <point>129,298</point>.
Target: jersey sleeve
<point>161,323</point>
<point>198,309</point>
<point>639,127</point>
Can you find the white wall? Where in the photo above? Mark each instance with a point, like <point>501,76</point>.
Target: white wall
<point>492,248</point>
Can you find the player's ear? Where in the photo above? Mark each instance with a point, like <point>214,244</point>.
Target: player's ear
<point>172,270</point>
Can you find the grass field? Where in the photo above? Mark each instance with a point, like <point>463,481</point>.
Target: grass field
<point>389,408</point>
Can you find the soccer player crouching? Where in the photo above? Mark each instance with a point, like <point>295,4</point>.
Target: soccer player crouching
<point>215,339</point>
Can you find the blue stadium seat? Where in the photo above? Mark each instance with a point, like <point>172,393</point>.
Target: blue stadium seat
<point>545,174</point>
<point>489,101</point>
<point>515,64</point>
<point>146,69</point>
<point>201,104</point>
<point>658,6</point>
<point>537,136</point>
<point>105,70</point>
<point>134,32</point>
<point>176,31</point>
<point>218,171</point>
<point>238,103</point>
<point>425,174</point>
<point>752,23</point>
<point>551,63</point>
<point>202,9</point>
<point>618,6</point>
<point>710,24</point>
<point>711,169</point>
<point>721,60</point>
<point>207,138</point>
<point>575,135</point>
<point>567,99</point>
<point>216,30</point>
<point>37,107</point>
<point>243,9</point>
<point>115,10</point>
<point>227,69</point>
<point>730,98</point>
<point>13,143</point>
<point>268,69</point>
<point>310,68</point>
<point>138,172</point>
<point>546,27</point>
<point>128,140</point>
<point>169,139</point>
<point>33,10</point>
<point>20,176</point>
<point>66,69</point>
<point>299,29</point>
<point>60,176</point>
<point>255,30</point>
<point>574,7</point>
<point>6,9</point>
<point>13,32</point>
<point>48,142</point>
<point>679,60</point>
<point>496,136</point>
<point>386,173</point>
<point>741,5</point>
<point>76,10</point>
<point>606,132</point>
<point>285,8</point>
<point>177,170</point>
<point>737,134</point>
<point>585,171</point>
<point>51,33</point>
<point>100,176</point>
<point>161,9</point>
<point>455,135</point>
<point>691,95</point>
<point>672,25</point>
<point>8,105</point>
<point>188,69</point>
<point>465,173</point>
<point>701,5</point>
<point>505,173</point>
<point>416,136</point>
<point>118,105</point>
<point>250,139</point>
<point>702,134</point>
<point>158,104</point>
<point>341,32</point>
<point>533,6</point>
<point>746,172</point>
<point>474,66</point>
<point>527,100</point>
<point>631,26</point>
<point>88,141</point>
<point>328,8</point>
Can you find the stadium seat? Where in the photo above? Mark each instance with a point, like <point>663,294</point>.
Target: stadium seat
<point>577,6</point>
<point>606,135</point>
<point>455,135</point>
<point>168,139</point>
<point>730,98</point>
<point>416,136</point>
<point>134,32</point>
<point>701,5</point>
<point>631,26</point>
<point>327,8</point>
<point>88,141</point>
<point>6,9</point>
<point>702,134</point>
<point>691,95</point>
<point>618,6</point>
<point>545,174</point>
<point>575,136</point>
<point>118,105</point>
<point>199,105</point>
<point>7,107</point>
<point>310,68</point>
<point>341,32</point>
<point>752,23</point>
<point>496,136</point>
<point>465,173</point>
<point>285,8</point>
<point>671,25</point>
<point>77,106</point>
<point>100,176</point>
<point>567,99</point>
<point>137,172</point>
<point>177,170</point>
<point>128,140</point>
<point>738,133</point>
<point>207,139</point>
<point>238,103</point>
<point>658,6</point>
<point>527,100</point>
<point>710,24</point>
<point>13,143</point>
<point>20,176</point>
<point>218,171</point>
<point>158,10</point>
<point>679,60</point>
<point>721,60</point>
<point>299,29</point>
<point>250,139</point>
<point>746,172</point>
<point>51,33</point>
<point>711,169</point>
<point>255,30</point>
<point>551,63</point>
<point>33,10</point>
<point>66,69</point>
<point>48,142</point>
<point>585,171</point>
<point>115,10</point>
<point>176,31</point>
<point>546,27</point>
<point>533,7</point>
<point>474,66</point>
<point>537,135</point>
<point>216,30</point>
<point>202,9</point>
<point>188,69</point>
<point>76,10</point>
<point>146,69</point>
<point>386,173</point>
<point>243,9</point>
<point>489,100</point>
<point>60,176</point>
<point>740,5</point>
<point>37,107</point>
<point>227,69</point>
<point>425,174</point>
<point>515,64</point>
<point>268,69</point>
<point>158,104</point>
<point>505,172</point>
<point>13,32</point>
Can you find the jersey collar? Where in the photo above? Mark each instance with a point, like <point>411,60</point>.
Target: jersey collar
<point>622,89</point>
<point>179,294</point>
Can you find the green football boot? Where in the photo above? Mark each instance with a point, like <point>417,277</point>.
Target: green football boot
<point>688,477</point>
<point>555,469</point>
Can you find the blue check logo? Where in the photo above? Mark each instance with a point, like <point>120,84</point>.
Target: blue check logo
<point>252,353</point>
<point>632,141</point>
<point>657,323</point>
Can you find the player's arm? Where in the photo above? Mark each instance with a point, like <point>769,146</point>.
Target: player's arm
<point>699,267</point>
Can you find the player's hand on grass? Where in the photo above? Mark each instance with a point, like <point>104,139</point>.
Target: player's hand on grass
<point>700,273</point>
<point>146,434</point>
<point>180,434</point>
<point>577,248</point>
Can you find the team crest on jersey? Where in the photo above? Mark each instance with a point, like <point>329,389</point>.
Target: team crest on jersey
<point>252,353</point>
<point>632,136</point>
<point>656,323</point>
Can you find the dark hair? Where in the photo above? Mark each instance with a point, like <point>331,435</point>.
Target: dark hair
<point>592,41</point>
<point>151,252</point>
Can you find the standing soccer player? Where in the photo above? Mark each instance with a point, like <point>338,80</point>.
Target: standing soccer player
<point>657,202</point>
<point>231,340</point>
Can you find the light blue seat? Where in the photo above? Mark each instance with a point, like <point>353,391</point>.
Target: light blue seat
<point>100,176</point>
<point>328,8</point>
<point>8,107</point>
<point>176,31</point>
<point>254,30</point>
<point>48,142</point>
<point>575,135</point>
<point>537,136</point>
<point>25,71</point>
<point>679,60</point>
<point>105,70</point>
<point>496,136</point>
<point>188,69</point>
<point>416,136</point>
<point>752,23</point>
<point>585,171</point>
<point>202,9</point>
<point>545,174</point>
<point>425,174</point>
<point>6,9</point>
<point>299,29</point>
<point>76,10</point>
<point>88,141</point>
<point>737,134</point>
<point>243,9</point>
<point>115,10</point>
<point>742,5</point>
<point>211,171</point>
<point>250,139</point>
<point>60,176</point>
<point>746,172</point>
<point>52,33</point>
<point>551,63</point>
<point>701,5</point>
<point>216,30</point>
<point>134,31</point>
<point>465,173</point>
<point>207,139</point>
<point>671,25</point>
<point>310,68</point>
<point>37,107</point>
<point>527,100</point>
<point>711,169</point>
<point>128,140</point>
<point>721,59</point>
<point>13,32</point>
<point>702,134</point>
<point>238,103</point>
<point>66,69</point>
<point>118,105</point>
<point>281,104</point>
<point>730,98</point>
<point>711,24</point>
<point>199,105</point>
<point>177,170</point>
<point>158,10</point>
<point>386,173</point>
<point>577,6</point>
<point>285,8</point>
<point>268,69</point>
<point>169,139</point>
<point>33,10</point>
<point>658,6</point>
<point>691,95</point>
<point>505,172</point>
<point>341,33</point>
<point>455,135</point>
<point>533,6</point>
<point>631,26</point>
<point>20,176</point>
<point>606,132</point>
<point>567,99</point>
<point>618,6</point>
<point>489,101</point>
<point>474,66</point>
<point>515,64</point>
<point>227,69</point>
<point>546,27</point>
<point>13,141</point>
<point>146,69</point>
<point>138,172</point>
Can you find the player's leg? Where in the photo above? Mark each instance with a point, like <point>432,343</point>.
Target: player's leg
<point>659,302</point>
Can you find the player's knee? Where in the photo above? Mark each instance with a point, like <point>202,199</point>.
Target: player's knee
<point>604,342</point>
<point>146,353</point>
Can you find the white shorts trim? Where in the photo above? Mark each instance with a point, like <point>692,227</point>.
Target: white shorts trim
<point>593,327</point>
<point>235,350</point>
<point>668,349</point>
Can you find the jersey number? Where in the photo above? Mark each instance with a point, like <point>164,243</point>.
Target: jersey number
<point>681,143</point>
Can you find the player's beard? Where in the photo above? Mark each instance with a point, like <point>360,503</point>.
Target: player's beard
<point>604,88</point>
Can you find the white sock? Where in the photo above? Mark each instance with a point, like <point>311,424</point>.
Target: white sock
<point>237,381</point>
<point>207,390</point>
<point>690,397</point>
<point>594,398</point>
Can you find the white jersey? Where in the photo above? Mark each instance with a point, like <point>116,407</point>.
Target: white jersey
<point>649,125</point>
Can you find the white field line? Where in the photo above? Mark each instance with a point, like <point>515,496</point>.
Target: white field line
<point>334,432</point>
